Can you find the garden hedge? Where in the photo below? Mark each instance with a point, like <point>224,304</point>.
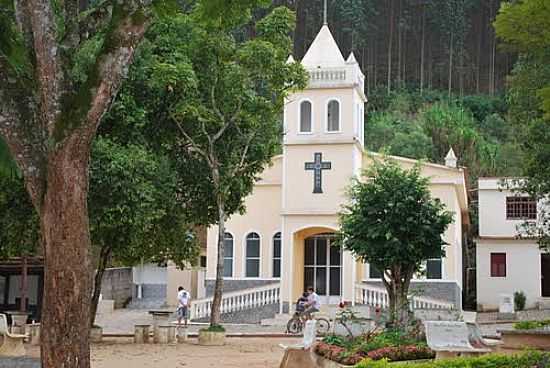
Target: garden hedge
<point>530,359</point>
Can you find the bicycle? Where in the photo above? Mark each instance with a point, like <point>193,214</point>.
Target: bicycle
<point>297,323</point>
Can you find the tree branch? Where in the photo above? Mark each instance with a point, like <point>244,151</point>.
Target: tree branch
<point>241,164</point>
<point>195,146</point>
<point>48,70</point>
<point>128,24</point>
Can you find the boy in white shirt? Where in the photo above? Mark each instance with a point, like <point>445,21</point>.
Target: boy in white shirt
<point>184,303</point>
<point>313,303</point>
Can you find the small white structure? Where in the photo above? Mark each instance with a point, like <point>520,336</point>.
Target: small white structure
<point>506,263</point>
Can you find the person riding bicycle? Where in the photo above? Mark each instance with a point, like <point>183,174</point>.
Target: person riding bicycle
<point>301,303</point>
<point>313,303</point>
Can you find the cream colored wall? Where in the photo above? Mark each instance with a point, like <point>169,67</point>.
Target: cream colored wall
<point>262,216</point>
<point>523,272</point>
<point>335,181</point>
<point>319,99</point>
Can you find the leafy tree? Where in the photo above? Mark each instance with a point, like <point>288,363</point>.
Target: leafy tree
<point>224,97</point>
<point>135,214</point>
<point>394,224</point>
<point>49,118</point>
<point>523,26</point>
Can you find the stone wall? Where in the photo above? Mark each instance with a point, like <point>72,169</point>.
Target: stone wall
<point>117,286</point>
<point>448,291</point>
<point>236,285</point>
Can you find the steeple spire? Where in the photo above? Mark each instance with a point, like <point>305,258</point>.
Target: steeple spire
<point>325,12</point>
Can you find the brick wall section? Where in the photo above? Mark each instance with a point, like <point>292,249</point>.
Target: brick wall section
<point>117,285</point>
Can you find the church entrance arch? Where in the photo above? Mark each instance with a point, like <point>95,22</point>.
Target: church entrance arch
<point>323,267</point>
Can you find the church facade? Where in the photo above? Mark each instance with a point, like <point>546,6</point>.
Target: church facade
<point>286,233</point>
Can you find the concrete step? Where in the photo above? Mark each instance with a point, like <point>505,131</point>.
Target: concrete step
<point>544,303</point>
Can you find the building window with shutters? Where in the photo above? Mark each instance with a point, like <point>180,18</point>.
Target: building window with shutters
<point>374,273</point>
<point>252,264</point>
<point>277,255</point>
<point>498,264</point>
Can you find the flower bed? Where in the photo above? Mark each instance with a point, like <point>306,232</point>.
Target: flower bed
<point>531,359</point>
<point>390,345</point>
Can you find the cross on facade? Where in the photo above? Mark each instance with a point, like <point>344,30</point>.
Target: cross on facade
<point>317,166</point>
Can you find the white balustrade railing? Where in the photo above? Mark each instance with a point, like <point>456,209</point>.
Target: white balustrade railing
<point>238,300</point>
<point>378,297</point>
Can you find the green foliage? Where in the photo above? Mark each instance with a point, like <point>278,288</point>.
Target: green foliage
<point>523,26</point>
<point>519,300</point>
<point>425,126</point>
<point>392,219</point>
<point>214,328</point>
<point>394,224</point>
<point>525,360</point>
<point>531,325</point>
<point>227,14</point>
<point>19,223</point>
<point>133,206</point>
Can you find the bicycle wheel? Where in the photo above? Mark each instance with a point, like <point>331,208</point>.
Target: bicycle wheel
<point>294,326</point>
<point>323,326</point>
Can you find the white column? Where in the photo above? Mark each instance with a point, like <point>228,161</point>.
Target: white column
<point>348,276</point>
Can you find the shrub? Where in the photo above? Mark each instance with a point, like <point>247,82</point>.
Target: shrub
<point>214,328</point>
<point>519,300</point>
<point>532,359</point>
<point>531,325</point>
<point>399,353</point>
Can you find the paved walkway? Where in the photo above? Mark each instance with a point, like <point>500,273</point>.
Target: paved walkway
<point>122,321</point>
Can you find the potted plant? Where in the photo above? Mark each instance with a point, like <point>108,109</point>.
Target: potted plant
<point>96,334</point>
<point>212,336</point>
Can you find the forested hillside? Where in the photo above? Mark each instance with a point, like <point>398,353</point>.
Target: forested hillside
<point>446,45</point>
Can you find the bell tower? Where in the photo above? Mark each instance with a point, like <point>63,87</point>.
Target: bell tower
<point>324,128</point>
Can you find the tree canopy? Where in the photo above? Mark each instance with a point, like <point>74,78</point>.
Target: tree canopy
<point>394,224</point>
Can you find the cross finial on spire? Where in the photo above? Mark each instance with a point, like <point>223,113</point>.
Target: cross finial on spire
<point>325,21</point>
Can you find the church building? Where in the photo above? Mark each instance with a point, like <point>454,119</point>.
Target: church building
<point>286,233</point>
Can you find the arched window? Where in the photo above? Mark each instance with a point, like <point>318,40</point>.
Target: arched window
<point>333,116</point>
<point>305,117</point>
<point>252,255</point>
<point>228,255</point>
<point>277,255</point>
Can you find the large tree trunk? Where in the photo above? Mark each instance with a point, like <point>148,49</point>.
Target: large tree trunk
<point>397,283</point>
<point>66,242</point>
<point>104,257</point>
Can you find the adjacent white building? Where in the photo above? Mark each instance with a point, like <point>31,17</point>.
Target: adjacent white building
<point>507,263</point>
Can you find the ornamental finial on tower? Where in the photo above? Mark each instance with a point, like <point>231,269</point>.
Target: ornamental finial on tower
<point>450,159</point>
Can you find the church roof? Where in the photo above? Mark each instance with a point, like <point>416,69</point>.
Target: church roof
<point>323,52</point>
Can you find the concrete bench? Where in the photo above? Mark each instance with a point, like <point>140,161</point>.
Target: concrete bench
<point>451,339</point>
<point>160,317</point>
<point>19,363</point>
<point>166,334</point>
<point>12,345</point>
<point>141,334</point>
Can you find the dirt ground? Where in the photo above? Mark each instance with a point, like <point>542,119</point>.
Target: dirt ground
<point>237,353</point>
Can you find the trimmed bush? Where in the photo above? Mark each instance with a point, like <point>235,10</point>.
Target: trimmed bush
<point>519,300</point>
<point>531,359</point>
